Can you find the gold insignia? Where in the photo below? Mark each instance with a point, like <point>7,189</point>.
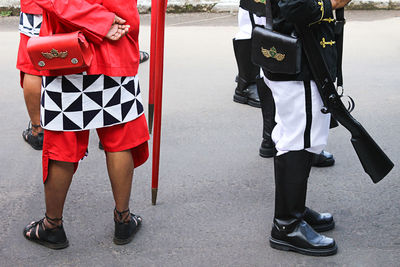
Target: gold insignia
<point>329,20</point>
<point>272,53</point>
<point>325,43</point>
<point>54,54</point>
<point>321,4</point>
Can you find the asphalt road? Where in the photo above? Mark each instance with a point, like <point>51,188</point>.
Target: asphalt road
<point>215,201</point>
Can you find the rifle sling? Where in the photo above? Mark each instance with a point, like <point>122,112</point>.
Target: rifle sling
<point>339,25</point>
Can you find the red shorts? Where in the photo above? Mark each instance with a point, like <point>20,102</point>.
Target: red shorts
<point>23,62</point>
<point>72,146</point>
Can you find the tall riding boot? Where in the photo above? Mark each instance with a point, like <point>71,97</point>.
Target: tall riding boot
<point>290,231</point>
<point>267,148</point>
<point>246,90</point>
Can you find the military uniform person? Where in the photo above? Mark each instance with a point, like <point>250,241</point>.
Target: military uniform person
<point>251,88</point>
<point>301,130</point>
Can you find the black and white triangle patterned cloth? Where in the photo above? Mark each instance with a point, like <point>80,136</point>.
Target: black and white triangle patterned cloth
<point>80,102</point>
<point>29,24</point>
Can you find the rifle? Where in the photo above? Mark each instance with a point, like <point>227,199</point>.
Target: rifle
<point>374,161</point>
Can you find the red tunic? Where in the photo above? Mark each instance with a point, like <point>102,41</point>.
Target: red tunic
<point>94,18</point>
<point>30,7</point>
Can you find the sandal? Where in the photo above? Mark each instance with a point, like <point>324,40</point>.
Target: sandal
<point>144,56</point>
<point>125,231</point>
<point>54,238</point>
<point>36,141</point>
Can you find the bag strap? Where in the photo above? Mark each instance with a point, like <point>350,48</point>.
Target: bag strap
<point>339,29</point>
<point>253,23</point>
<point>268,15</point>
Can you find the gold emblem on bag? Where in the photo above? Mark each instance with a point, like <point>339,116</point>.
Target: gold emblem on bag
<point>41,63</point>
<point>55,54</point>
<point>74,61</point>
<point>273,53</point>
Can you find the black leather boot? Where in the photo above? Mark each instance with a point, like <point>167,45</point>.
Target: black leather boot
<point>290,231</point>
<point>267,148</point>
<point>323,159</point>
<point>320,222</point>
<point>298,236</point>
<point>246,89</point>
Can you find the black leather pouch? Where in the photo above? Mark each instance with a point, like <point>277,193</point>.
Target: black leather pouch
<point>276,52</point>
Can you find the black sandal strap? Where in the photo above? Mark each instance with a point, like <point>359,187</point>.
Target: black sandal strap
<point>53,221</point>
<point>32,229</point>
<point>136,219</point>
<point>120,213</point>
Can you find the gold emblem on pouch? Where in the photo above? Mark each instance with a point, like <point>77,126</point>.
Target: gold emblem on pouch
<point>55,54</point>
<point>272,53</point>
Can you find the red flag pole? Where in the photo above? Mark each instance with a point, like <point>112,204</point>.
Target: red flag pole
<point>153,56</point>
<point>159,64</point>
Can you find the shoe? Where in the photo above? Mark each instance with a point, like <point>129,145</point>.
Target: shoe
<point>247,94</point>
<point>36,141</point>
<point>323,159</point>
<point>267,148</point>
<point>298,236</point>
<point>144,56</point>
<point>54,238</point>
<point>320,222</point>
<point>125,231</point>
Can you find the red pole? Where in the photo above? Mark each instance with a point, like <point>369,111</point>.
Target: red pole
<point>153,56</point>
<point>159,64</point>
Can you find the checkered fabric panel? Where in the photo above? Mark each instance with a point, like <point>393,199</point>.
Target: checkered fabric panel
<point>80,102</point>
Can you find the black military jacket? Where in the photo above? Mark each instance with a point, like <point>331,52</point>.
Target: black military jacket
<point>318,15</point>
<point>256,7</point>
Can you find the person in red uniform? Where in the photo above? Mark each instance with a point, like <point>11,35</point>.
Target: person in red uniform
<point>30,22</point>
<point>105,96</point>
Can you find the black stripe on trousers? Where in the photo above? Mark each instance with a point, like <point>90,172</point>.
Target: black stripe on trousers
<point>307,131</point>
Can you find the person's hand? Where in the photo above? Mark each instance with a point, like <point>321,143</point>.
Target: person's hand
<point>336,4</point>
<point>118,29</point>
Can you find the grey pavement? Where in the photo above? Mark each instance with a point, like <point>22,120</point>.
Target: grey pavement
<point>215,200</point>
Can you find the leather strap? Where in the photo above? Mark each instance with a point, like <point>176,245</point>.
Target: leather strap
<point>339,25</point>
<point>268,15</point>
<point>253,23</point>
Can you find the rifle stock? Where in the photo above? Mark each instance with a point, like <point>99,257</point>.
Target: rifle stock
<point>374,161</point>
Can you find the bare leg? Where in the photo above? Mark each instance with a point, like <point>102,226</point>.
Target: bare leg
<point>55,190</point>
<point>56,187</point>
<point>32,87</point>
<point>120,170</point>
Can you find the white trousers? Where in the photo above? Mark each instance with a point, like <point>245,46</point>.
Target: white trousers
<point>245,26</point>
<point>300,122</point>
